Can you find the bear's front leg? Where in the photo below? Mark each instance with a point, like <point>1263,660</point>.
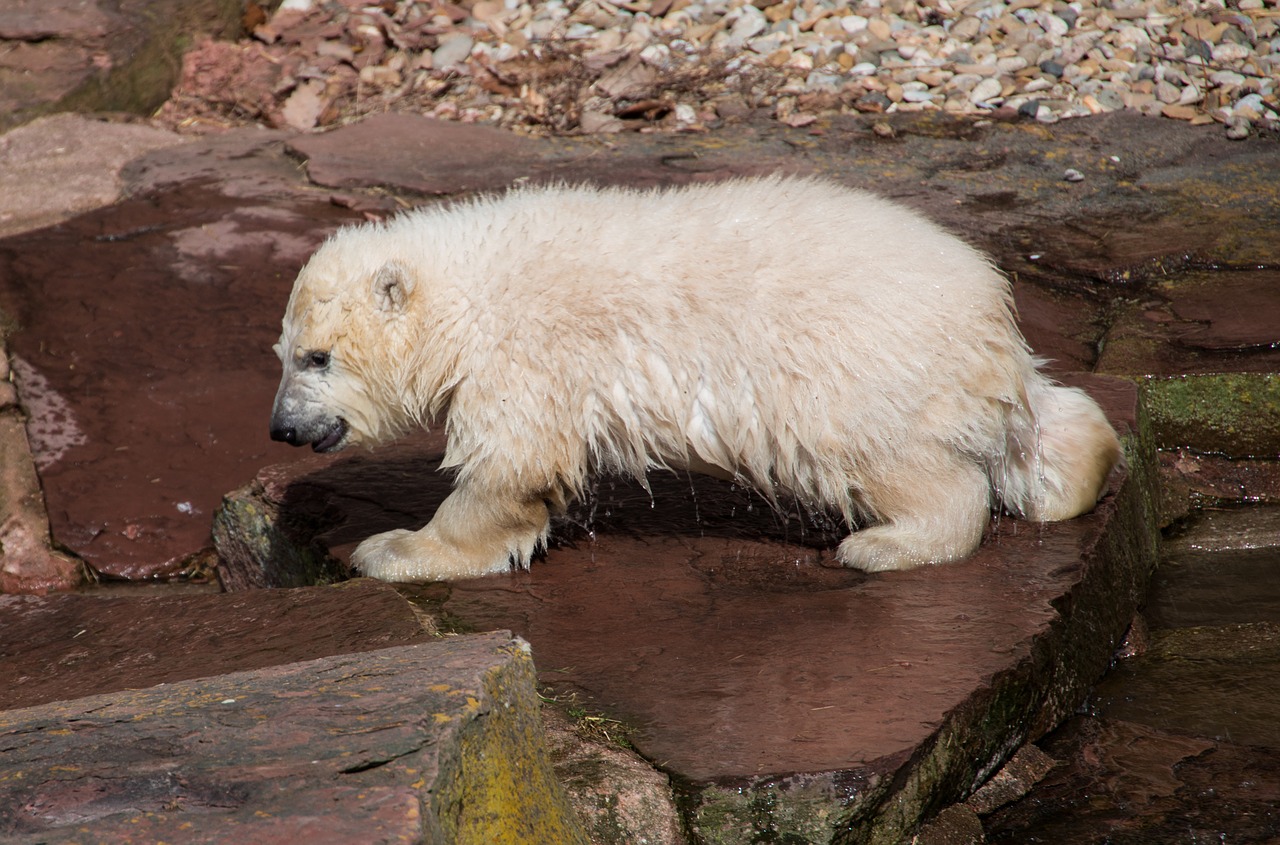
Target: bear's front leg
<point>471,534</point>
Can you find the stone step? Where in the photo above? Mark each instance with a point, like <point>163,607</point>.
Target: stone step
<point>436,742</point>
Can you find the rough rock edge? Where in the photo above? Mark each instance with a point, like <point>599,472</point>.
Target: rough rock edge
<point>29,563</point>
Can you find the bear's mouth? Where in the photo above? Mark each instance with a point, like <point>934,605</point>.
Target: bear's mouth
<point>333,439</point>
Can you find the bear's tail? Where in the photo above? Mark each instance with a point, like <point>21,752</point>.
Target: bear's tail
<point>1059,457</point>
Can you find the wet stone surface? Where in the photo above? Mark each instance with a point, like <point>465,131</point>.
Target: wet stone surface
<point>1180,742</point>
<point>69,646</point>
<point>145,355</point>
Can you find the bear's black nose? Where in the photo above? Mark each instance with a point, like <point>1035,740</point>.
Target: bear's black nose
<point>287,434</point>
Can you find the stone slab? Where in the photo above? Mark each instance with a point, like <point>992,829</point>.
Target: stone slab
<point>57,167</point>
<point>70,646</point>
<point>438,742</point>
<point>424,156</point>
<point>1189,680</point>
<point>757,676</point>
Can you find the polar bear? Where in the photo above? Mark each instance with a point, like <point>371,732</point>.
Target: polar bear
<point>808,339</point>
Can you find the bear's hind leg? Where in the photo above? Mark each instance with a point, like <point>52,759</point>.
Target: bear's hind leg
<point>933,514</point>
<point>471,534</point>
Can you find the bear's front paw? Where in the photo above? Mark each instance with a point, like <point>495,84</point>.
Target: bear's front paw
<point>418,557</point>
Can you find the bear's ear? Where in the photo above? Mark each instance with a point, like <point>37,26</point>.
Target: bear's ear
<point>392,286</point>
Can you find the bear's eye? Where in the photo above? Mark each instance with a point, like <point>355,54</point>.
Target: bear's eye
<point>318,360</point>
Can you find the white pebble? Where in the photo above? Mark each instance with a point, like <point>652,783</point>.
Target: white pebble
<point>853,23</point>
<point>985,91</point>
<point>454,49</point>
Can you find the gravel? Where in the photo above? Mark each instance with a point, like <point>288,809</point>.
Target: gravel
<point>599,66</point>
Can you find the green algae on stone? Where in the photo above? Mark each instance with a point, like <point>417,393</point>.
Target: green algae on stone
<point>262,547</point>
<point>502,790</point>
<point>140,79</point>
<point>1236,414</point>
<point>796,809</point>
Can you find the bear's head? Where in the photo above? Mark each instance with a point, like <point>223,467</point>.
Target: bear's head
<point>345,348</point>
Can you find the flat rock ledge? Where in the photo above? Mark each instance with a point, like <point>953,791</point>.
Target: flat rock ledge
<point>787,703</point>
<point>435,742</point>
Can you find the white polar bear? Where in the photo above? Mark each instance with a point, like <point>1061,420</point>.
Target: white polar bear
<point>800,336</point>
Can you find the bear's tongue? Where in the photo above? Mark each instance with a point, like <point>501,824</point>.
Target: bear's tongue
<point>335,435</point>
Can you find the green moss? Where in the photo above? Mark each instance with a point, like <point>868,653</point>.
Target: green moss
<point>1235,414</point>
<point>504,791</point>
<point>272,549</point>
<point>792,812</point>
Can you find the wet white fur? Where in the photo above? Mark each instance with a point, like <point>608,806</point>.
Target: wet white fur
<point>799,335</point>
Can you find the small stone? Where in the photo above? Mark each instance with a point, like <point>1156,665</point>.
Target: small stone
<point>599,123</point>
<point>933,78</point>
<point>1047,115</point>
<point>1238,128</point>
<point>985,91</point>
<point>874,102</point>
<point>303,108</point>
<point>853,23</point>
<point>453,50</point>
<point>1052,68</point>
<point>1226,78</point>
<point>879,27</point>
<point>1179,112</point>
<point>964,82</point>
<point>1073,175</point>
<point>1197,48</point>
<point>747,25</point>
<point>1203,29</point>
<point>778,57</point>
<point>1190,94</point>
<point>966,28</point>
<point>1011,64</point>
<point>380,76</point>
<point>1229,51</point>
<point>1052,24</point>
<point>976,69</point>
<point>1110,99</point>
<point>1167,92</point>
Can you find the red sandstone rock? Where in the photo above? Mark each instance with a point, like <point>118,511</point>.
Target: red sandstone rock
<point>436,742</point>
